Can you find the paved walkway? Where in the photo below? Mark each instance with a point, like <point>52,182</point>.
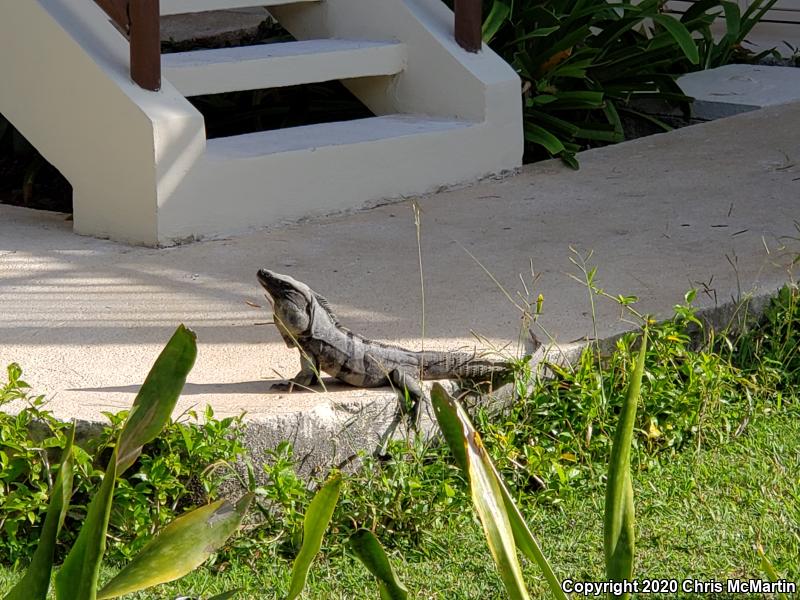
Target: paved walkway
<point>714,206</point>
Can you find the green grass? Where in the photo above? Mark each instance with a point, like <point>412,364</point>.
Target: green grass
<point>699,514</point>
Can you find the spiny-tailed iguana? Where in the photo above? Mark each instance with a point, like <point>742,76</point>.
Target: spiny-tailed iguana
<point>305,321</point>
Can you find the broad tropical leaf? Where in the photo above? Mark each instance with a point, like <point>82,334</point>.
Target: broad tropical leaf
<point>319,514</point>
<point>681,35</point>
<point>179,548</point>
<point>495,20</point>
<point>156,399</point>
<point>370,552</point>
<point>77,577</point>
<point>503,524</point>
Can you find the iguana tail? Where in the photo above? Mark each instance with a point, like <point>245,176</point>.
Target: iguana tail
<point>460,365</point>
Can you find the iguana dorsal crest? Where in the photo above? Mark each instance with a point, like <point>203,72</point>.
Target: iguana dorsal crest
<point>326,306</point>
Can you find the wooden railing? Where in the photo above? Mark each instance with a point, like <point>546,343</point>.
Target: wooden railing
<point>139,20</point>
<point>468,24</point>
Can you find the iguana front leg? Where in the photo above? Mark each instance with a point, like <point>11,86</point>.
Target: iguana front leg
<point>308,375</point>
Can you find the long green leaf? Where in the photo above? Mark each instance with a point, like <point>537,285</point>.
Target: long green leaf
<point>497,17</point>
<point>35,584</point>
<point>179,548</point>
<point>618,534</point>
<point>156,399</point>
<point>487,498</point>
<point>456,427</point>
<point>681,35</point>
<point>77,577</point>
<point>319,514</point>
<point>370,552</point>
<point>539,135</point>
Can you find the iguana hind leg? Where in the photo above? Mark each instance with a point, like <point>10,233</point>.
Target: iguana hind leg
<point>411,391</point>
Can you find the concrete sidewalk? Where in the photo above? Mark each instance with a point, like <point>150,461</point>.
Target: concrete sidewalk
<point>712,206</point>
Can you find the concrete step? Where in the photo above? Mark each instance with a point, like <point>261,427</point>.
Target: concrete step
<point>282,64</point>
<point>175,7</point>
<point>340,133</point>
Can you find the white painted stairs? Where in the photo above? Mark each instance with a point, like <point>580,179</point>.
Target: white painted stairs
<point>143,171</point>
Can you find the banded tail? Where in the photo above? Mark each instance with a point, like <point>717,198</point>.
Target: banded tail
<point>463,365</point>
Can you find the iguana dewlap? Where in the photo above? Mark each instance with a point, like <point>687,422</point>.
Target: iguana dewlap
<point>306,321</point>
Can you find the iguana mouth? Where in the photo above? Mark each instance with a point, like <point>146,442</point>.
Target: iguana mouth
<point>271,282</point>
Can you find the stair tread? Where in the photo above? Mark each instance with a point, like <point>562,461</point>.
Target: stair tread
<point>308,137</point>
<point>175,7</point>
<point>281,64</point>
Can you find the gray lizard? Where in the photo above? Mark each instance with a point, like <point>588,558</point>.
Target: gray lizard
<point>305,321</point>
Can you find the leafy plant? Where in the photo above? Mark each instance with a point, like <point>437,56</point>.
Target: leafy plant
<point>699,18</point>
<point>582,62</point>
<point>505,528</point>
<point>285,492</point>
<point>403,495</point>
<point>179,469</point>
<point>188,541</point>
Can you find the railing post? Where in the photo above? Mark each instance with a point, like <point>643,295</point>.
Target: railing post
<point>468,24</point>
<point>145,39</point>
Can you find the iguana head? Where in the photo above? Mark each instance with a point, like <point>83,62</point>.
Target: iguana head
<point>292,304</point>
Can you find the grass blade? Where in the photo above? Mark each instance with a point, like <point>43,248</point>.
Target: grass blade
<point>156,399</point>
<point>179,548</point>
<point>618,539</point>
<point>226,595</point>
<point>35,584</point>
<point>370,552</point>
<point>316,522</point>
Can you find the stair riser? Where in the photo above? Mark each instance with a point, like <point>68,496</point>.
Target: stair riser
<point>176,7</point>
<point>227,195</point>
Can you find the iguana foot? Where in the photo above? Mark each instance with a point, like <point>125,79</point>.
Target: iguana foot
<point>303,380</point>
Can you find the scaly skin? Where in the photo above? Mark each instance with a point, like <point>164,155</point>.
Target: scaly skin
<point>305,321</point>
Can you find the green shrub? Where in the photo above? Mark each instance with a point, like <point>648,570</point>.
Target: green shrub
<point>584,63</point>
<point>171,475</point>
